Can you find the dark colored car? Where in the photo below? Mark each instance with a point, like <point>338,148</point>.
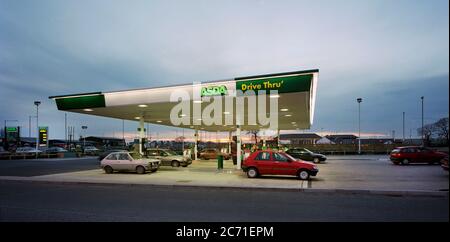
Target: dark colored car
<point>307,155</point>
<point>212,154</point>
<point>444,163</point>
<point>107,152</point>
<point>415,154</point>
<point>268,162</point>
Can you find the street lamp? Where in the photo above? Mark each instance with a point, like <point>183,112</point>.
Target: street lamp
<point>423,138</point>
<point>403,127</point>
<point>359,100</point>
<point>37,103</point>
<point>29,124</point>
<point>84,136</point>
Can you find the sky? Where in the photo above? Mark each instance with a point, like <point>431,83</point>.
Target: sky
<point>390,53</point>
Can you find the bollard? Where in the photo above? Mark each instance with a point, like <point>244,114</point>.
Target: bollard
<point>220,162</point>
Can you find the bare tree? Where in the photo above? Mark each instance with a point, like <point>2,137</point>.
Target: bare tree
<point>427,132</point>
<point>180,139</point>
<point>254,134</point>
<point>441,129</point>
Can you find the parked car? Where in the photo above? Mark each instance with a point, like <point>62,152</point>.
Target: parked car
<point>267,162</point>
<point>444,163</point>
<point>168,157</point>
<point>415,154</point>
<point>107,152</point>
<point>27,150</point>
<point>213,154</point>
<point>128,161</point>
<point>307,155</point>
<point>91,150</point>
<point>54,150</point>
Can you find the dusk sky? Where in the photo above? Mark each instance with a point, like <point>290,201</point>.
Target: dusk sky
<point>387,52</point>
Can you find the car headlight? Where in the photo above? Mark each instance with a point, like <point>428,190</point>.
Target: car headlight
<point>315,167</point>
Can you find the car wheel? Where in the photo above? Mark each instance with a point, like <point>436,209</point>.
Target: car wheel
<point>140,170</point>
<point>184,165</point>
<point>108,169</point>
<point>252,173</point>
<point>404,162</point>
<point>316,160</point>
<point>175,163</point>
<point>303,174</point>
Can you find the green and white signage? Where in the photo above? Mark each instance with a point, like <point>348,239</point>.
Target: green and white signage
<point>284,84</point>
<point>214,91</point>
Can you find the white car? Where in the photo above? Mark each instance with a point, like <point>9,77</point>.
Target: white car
<point>128,161</point>
<point>91,150</point>
<point>27,150</point>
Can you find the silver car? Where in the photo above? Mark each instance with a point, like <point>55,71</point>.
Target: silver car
<point>27,150</point>
<point>128,161</point>
<point>168,157</point>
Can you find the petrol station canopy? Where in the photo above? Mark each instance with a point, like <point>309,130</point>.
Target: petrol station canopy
<point>296,101</point>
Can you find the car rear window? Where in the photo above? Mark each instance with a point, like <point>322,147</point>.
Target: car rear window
<point>112,157</point>
<point>263,156</point>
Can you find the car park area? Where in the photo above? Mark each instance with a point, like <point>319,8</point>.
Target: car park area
<point>353,173</point>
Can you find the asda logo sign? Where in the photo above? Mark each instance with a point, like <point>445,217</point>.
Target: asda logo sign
<point>214,91</point>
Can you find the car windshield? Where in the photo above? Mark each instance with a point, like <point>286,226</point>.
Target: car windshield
<point>136,156</point>
<point>170,152</point>
<point>288,156</point>
<point>395,151</point>
<point>306,150</point>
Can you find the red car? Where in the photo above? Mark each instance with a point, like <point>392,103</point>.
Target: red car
<point>268,162</point>
<point>415,154</point>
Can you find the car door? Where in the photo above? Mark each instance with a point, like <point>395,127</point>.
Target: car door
<point>294,153</point>
<point>155,154</point>
<point>425,155</point>
<point>264,162</point>
<point>111,160</point>
<point>163,157</point>
<point>282,165</point>
<point>209,154</point>
<point>305,155</point>
<point>126,162</point>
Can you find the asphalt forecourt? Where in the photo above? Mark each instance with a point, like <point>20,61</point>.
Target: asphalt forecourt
<point>376,175</point>
<point>38,167</point>
<point>25,201</point>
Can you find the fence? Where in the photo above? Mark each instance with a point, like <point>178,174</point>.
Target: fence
<point>345,149</point>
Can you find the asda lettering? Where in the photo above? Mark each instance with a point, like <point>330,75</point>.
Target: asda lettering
<point>214,91</point>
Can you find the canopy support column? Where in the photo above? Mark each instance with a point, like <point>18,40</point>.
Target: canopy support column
<point>196,145</point>
<point>141,135</point>
<point>238,147</point>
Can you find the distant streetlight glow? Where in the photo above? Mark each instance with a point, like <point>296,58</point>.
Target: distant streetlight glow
<point>359,100</point>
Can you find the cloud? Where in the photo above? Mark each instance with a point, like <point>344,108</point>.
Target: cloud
<point>380,50</point>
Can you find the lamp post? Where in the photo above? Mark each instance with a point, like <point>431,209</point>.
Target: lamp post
<point>359,100</point>
<point>403,127</point>
<point>84,136</point>
<point>37,103</point>
<point>29,124</point>
<point>423,139</point>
